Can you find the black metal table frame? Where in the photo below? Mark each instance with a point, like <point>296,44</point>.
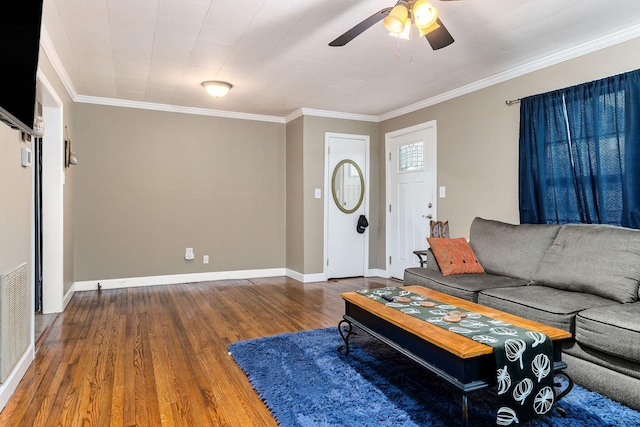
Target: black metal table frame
<point>445,371</point>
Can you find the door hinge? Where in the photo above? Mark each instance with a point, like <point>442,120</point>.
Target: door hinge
<point>389,155</point>
<point>389,259</point>
<point>389,208</point>
<point>327,262</point>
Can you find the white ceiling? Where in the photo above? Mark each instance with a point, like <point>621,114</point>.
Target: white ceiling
<point>276,53</point>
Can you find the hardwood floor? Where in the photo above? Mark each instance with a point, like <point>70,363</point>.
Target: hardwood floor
<point>158,355</point>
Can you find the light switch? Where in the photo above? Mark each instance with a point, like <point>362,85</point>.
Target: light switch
<point>318,193</point>
<point>442,192</point>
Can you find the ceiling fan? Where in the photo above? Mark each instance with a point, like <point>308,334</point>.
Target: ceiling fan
<point>398,19</point>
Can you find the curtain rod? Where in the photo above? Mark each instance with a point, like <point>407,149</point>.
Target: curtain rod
<point>513,101</point>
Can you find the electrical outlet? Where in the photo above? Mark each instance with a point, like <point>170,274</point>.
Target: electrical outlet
<point>205,259</point>
<point>189,255</point>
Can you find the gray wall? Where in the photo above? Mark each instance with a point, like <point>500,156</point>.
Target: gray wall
<point>15,210</point>
<point>295,196</point>
<point>150,184</point>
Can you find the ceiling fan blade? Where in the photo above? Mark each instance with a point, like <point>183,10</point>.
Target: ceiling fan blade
<point>440,37</point>
<point>360,28</point>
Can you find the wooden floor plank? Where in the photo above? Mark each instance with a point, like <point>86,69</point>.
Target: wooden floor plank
<point>157,356</point>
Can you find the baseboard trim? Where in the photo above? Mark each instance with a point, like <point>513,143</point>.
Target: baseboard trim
<point>174,279</point>
<point>305,278</point>
<point>92,285</point>
<point>318,277</point>
<point>9,386</point>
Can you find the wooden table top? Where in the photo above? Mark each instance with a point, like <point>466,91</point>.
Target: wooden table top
<point>454,343</point>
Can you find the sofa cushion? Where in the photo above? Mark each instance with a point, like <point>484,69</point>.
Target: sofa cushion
<point>614,329</point>
<point>510,250</point>
<point>598,259</point>
<point>454,256</point>
<point>542,304</point>
<point>465,286</point>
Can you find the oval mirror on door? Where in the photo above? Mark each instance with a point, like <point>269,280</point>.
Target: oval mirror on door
<point>347,186</point>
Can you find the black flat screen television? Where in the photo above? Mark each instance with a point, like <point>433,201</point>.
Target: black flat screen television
<point>20,22</point>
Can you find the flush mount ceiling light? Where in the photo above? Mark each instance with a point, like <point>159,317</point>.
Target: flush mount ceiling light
<point>217,89</point>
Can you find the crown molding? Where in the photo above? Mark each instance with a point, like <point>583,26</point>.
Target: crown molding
<point>50,51</point>
<point>557,58</point>
<point>176,109</point>
<point>339,115</point>
<point>330,114</point>
<point>294,115</point>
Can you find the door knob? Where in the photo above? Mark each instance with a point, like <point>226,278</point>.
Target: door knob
<point>429,205</point>
<point>427,216</point>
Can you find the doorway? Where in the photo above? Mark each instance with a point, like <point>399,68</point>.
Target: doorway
<point>411,188</point>
<point>346,200</point>
<point>52,153</point>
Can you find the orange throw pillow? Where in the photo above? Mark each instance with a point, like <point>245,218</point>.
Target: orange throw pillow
<point>454,256</point>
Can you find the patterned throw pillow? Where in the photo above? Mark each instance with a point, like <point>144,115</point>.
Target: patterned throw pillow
<point>455,256</point>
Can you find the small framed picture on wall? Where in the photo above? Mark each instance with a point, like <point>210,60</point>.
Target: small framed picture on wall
<point>67,153</point>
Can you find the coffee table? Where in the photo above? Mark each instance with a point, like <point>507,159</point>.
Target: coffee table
<point>463,362</point>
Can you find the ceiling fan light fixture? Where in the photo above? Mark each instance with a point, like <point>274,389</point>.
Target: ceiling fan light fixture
<point>424,14</point>
<point>401,17</point>
<point>394,22</point>
<point>217,89</point>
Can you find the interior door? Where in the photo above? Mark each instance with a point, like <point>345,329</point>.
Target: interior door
<point>411,189</point>
<point>346,191</point>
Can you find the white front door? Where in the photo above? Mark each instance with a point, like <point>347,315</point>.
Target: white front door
<point>346,198</point>
<point>411,189</point>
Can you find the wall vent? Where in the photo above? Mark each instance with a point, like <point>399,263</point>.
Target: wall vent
<point>15,332</point>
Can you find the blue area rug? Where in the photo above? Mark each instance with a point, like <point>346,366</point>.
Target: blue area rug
<point>305,381</point>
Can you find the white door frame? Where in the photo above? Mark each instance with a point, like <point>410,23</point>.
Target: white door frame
<point>387,141</point>
<point>328,197</point>
<point>53,298</point>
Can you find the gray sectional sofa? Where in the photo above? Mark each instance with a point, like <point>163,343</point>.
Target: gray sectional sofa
<point>580,278</point>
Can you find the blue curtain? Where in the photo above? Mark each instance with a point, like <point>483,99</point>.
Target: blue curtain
<point>580,154</point>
